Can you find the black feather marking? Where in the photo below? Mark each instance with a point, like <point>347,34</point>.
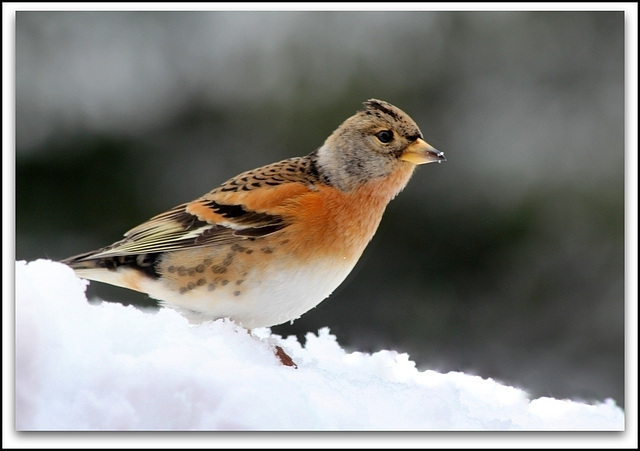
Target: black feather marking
<point>208,234</point>
<point>375,104</point>
<point>313,170</point>
<point>144,263</point>
<point>244,217</point>
<point>228,211</point>
<point>188,221</point>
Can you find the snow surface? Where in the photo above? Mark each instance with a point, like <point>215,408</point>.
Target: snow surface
<point>81,366</point>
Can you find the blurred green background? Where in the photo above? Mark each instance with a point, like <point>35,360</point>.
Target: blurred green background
<point>507,261</point>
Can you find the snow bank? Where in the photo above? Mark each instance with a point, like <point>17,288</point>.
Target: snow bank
<point>110,367</point>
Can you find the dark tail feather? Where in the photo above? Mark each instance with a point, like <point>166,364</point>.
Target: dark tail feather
<point>145,263</point>
<point>84,261</point>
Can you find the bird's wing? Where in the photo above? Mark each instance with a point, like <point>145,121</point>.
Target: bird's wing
<point>249,206</point>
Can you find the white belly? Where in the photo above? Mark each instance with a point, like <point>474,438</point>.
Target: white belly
<point>258,301</point>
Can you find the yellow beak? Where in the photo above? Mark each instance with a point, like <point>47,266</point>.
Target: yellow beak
<point>420,152</point>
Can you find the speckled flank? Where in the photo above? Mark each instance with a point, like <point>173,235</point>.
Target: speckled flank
<point>219,268</point>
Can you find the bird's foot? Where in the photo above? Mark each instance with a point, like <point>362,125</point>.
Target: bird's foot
<point>284,357</point>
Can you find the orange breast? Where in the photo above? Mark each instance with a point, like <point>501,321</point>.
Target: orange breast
<point>335,223</point>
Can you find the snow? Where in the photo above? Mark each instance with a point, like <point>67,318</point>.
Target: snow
<point>83,366</point>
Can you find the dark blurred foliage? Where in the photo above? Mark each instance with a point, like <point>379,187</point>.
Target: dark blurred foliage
<point>506,261</point>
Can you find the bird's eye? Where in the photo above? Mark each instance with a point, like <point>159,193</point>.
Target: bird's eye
<point>385,136</point>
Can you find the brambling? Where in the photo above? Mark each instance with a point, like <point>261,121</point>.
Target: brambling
<point>270,244</point>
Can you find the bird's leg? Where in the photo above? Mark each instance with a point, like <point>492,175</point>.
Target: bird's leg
<point>284,357</point>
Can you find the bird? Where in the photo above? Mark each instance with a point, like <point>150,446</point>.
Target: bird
<point>271,243</point>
